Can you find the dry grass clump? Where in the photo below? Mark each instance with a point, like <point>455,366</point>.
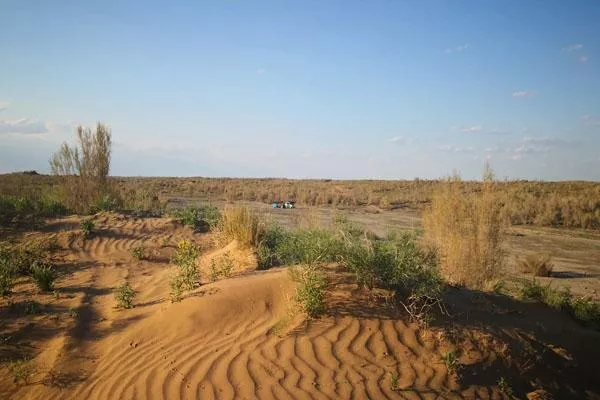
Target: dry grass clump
<point>468,231</point>
<point>240,224</point>
<point>538,265</point>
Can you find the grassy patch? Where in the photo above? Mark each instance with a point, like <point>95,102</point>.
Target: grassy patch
<point>310,289</point>
<point>87,228</point>
<point>44,275</point>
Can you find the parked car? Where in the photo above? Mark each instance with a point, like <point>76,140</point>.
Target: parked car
<point>284,204</point>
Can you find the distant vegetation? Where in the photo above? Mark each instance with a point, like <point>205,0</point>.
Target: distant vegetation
<point>555,204</point>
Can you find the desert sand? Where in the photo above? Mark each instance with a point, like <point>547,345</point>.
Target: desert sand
<point>241,337</point>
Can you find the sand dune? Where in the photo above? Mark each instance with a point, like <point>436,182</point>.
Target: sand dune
<point>236,338</point>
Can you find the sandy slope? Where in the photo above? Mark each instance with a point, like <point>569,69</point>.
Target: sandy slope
<point>234,338</point>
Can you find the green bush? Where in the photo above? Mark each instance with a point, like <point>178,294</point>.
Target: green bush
<point>310,289</point>
<point>105,203</point>
<point>87,228</point>
<point>278,246</point>
<point>44,276</point>
<point>203,218</point>
<point>124,296</point>
<point>585,310</point>
<point>8,275</point>
<point>399,265</point>
<point>185,258</point>
<point>20,209</point>
<point>139,252</point>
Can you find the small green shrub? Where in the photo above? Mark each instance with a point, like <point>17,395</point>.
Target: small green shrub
<point>105,203</point>
<point>451,361</point>
<point>394,382</point>
<point>505,387</point>
<point>87,228</point>
<point>176,285</point>
<point>124,296</point>
<point>536,265</point>
<point>21,370</point>
<point>185,258</point>
<point>587,311</point>
<point>44,276</point>
<point>139,252</point>
<point>32,307</point>
<point>310,289</point>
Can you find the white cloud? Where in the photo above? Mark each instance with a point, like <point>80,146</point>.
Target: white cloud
<point>397,139</point>
<point>261,71</point>
<point>471,129</point>
<point>23,126</point>
<point>573,47</point>
<point>457,49</point>
<point>4,105</point>
<point>543,141</point>
<point>522,93</point>
<point>583,58</point>
<point>590,120</point>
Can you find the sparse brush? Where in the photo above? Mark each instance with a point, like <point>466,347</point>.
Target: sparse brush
<point>587,311</point>
<point>538,265</point>
<point>505,387</point>
<point>451,361</point>
<point>21,370</point>
<point>176,285</point>
<point>44,276</point>
<point>310,289</point>
<point>240,224</point>
<point>394,382</point>
<point>468,230</point>
<point>87,228</point>
<point>124,296</point>
<point>221,267</point>
<point>139,252</point>
<point>203,218</point>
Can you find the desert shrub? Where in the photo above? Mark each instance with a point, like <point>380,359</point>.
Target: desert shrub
<point>107,202</point>
<point>20,258</point>
<point>21,370</point>
<point>221,267</point>
<point>139,252</point>
<point>185,258</point>
<point>451,360</point>
<point>8,275</point>
<point>582,309</point>
<point>468,231</point>
<point>176,284</point>
<point>310,289</point>
<point>538,265</point>
<point>309,247</point>
<point>587,311</point>
<point>85,168</point>
<point>87,228</point>
<point>44,276</point>
<point>399,265</point>
<point>124,296</point>
<point>271,239</point>
<point>240,224</point>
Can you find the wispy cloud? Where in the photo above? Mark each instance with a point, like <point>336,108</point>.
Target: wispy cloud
<point>522,93</point>
<point>590,120</point>
<point>4,105</point>
<point>22,126</point>
<point>397,139</point>
<point>471,129</point>
<point>457,49</point>
<point>573,47</point>
<point>456,149</point>
<point>583,59</point>
<point>261,71</point>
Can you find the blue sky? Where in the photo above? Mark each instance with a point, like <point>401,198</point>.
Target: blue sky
<point>326,89</point>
